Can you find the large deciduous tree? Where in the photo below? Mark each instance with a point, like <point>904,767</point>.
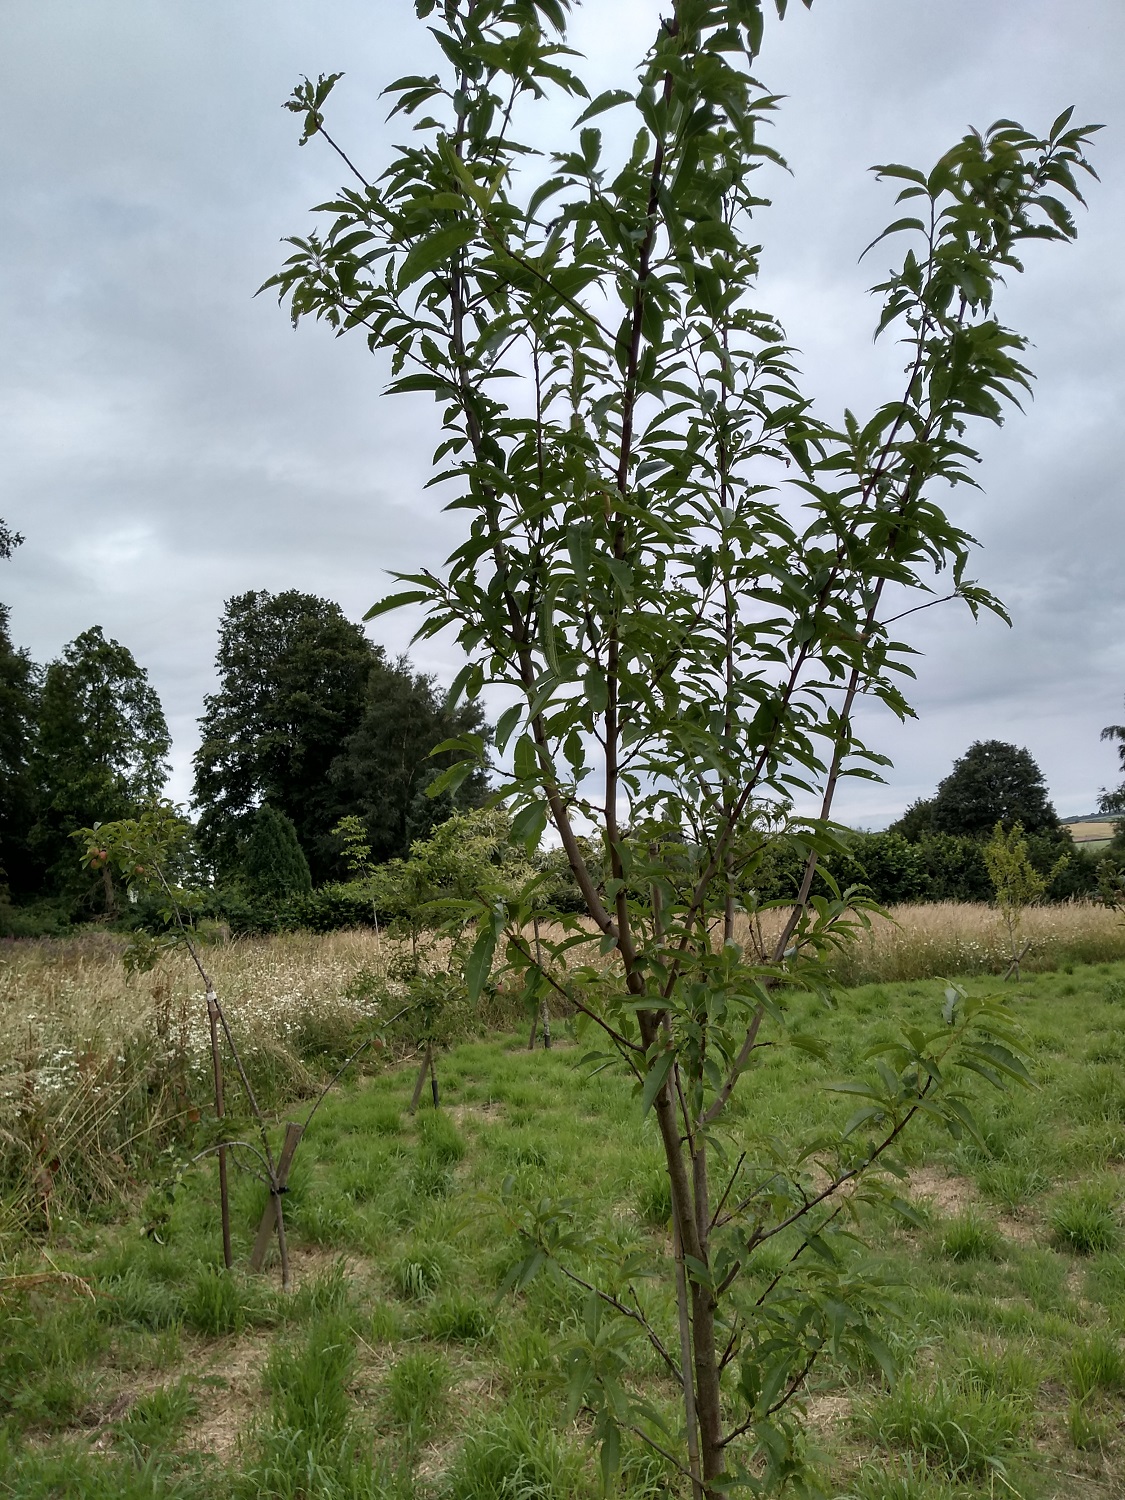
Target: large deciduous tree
<point>312,718</point>
<point>992,783</point>
<point>293,674</point>
<point>686,579</point>
<point>385,766</point>
<point>9,539</point>
<point>101,748</point>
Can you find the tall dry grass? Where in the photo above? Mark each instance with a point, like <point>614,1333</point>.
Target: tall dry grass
<point>60,996</point>
<point>951,939</point>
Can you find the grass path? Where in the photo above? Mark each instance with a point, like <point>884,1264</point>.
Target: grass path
<point>395,1370</point>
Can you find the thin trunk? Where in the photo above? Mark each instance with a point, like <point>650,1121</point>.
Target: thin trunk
<point>682,1308</point>
<point>708,1396</point>
<point>220,1111</point>
<point>433,1080</point>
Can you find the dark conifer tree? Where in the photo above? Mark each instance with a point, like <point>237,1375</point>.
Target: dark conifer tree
<point>273,863</point>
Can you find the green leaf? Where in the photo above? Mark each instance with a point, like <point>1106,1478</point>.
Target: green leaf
<point>479,966</point>
<point>506,724</point>
<point>611,99</point>
<point>432,251</point>
<point>451,778</point>
<point>654,1080</point>
<point>396,601</point>
<point>528,825</point>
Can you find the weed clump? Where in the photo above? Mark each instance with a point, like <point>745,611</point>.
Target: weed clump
<point>417,1390</point>
<point>969,1237</point>
<point>457,1318</point>
<point>961,1428</point>
<point>1085,1220</point>
<point>419,1272</point>
<point>512,1455</point>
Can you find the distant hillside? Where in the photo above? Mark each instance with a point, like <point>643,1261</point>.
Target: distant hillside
<point>1092,830</point>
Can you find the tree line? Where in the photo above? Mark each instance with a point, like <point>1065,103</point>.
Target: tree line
<point>316,743</point>
<point>311,723</point>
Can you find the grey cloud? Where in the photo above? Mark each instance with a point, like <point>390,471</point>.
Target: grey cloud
<point>169,441</point>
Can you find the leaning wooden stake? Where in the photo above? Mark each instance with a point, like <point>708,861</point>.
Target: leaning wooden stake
<point>220,1111</point>
<point>422,1071</point>
<point>270,1215</point>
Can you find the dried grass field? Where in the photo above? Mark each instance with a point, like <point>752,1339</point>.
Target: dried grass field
<point>132,1367</point>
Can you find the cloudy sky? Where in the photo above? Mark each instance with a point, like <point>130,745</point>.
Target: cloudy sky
<point>166,440</point>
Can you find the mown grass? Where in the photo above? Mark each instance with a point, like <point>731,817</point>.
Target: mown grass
<point>397,1368</point>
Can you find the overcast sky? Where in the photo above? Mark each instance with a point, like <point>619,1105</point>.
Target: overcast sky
<point>166,440</point>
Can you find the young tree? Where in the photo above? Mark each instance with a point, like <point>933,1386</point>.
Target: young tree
<point>19,708</point>
<point>1017,883</point>
<point>992,783</point>
<point>686,640</point>
<point>100,751</point>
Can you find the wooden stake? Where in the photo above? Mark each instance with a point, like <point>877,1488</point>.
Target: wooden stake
<point>270,1215</point>
<point>422,1071</point>
<point>217,1065</point>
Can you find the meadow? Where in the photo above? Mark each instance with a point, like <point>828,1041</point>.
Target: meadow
<point>399,1367</point>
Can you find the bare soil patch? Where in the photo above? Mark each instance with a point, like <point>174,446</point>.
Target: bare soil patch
<point>228,1411</point>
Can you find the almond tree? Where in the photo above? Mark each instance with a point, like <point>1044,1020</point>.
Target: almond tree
<point>686,579</point>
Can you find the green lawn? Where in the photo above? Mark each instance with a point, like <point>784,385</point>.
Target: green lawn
<point>397,1368</point>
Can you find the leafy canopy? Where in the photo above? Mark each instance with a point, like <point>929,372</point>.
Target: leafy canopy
<point>101,747</point>
<point>292,678</point>
<point>683,578</point>
<point>992,783</point>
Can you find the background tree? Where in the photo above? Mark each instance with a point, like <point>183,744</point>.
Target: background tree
<point>312,718</point>
<point>384,767</point>
<point>19,709</point>
<point>1114,801</point>
<point>273,864</point>
<point>916,821</point>
<point>293,673</point>
<point>101,748</point>
<point>9,540</point>
<point>992,783</point>
<point>684,643</point>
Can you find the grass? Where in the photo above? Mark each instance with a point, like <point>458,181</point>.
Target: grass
<point>396,1369</point>
<point>1085,1219</point>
